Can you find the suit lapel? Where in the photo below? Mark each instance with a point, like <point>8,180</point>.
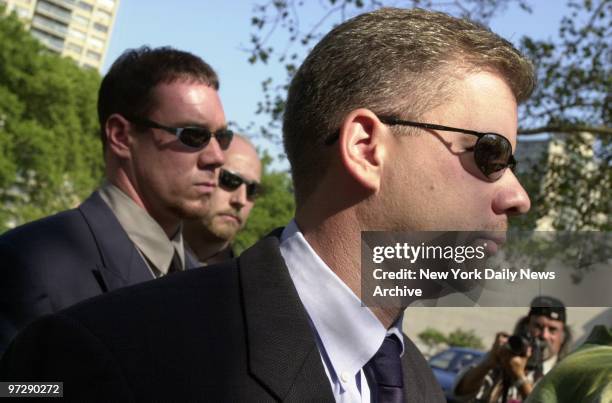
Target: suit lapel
<point>281,347</point>
<point>420,384</point>
<point>121,264</point>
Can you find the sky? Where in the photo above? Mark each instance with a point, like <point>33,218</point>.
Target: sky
<point>219,31</point>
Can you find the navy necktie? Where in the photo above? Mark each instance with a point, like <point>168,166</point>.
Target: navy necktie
<point>384,373</point>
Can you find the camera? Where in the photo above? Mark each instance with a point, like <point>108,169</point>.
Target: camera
<point>518,344</point>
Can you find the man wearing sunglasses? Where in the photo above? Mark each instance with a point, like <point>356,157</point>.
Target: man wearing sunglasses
<point>210,237</point>
<point>163,133</point>
<point>398,120</point>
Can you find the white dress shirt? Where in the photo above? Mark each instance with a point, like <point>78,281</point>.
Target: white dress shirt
<point>347,333</point>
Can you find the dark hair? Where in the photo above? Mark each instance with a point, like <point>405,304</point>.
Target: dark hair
<point>394,62</point>
<point>126,88</point>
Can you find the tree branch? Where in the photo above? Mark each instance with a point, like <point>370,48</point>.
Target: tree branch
<point>566,129</point>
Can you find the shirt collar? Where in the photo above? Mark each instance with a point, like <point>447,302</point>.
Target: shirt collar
<point>143,230</point>
<point>349,332</point>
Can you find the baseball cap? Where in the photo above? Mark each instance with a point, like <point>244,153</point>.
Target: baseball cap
<point>550,307</point>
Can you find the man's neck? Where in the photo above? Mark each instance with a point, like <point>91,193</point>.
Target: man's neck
<point>207,249</point>
<point>330,240</point>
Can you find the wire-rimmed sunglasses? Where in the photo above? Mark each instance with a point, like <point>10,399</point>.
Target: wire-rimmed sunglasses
<point>191,136</point>
<point>492,151</point>
<point>232,181</point>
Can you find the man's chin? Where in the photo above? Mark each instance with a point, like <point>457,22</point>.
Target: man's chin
<point>193,210</point>
<point>547,354</point>
<point>224,231</point>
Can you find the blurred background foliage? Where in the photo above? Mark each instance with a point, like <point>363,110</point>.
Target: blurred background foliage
<point>50,154</point>
<point>434,339</point>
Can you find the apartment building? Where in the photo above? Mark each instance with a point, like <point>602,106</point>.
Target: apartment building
<point>79,29</point>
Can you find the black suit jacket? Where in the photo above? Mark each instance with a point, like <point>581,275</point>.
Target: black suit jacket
<point>55,262</point>
<point>230,332</point>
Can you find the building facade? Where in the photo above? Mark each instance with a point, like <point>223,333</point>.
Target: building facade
<point>79,29</point>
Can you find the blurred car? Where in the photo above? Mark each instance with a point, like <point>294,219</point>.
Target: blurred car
<point>447,364</point>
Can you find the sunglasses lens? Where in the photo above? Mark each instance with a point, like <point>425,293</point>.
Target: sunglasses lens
<point>224,137</point>
<point>229,180</point>
<point>493,154</point>
<point>195,137</point>
<point>252,190</point>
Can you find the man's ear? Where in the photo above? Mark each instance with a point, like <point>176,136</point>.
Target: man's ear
<point>362,147</point>
<point>117,131</point>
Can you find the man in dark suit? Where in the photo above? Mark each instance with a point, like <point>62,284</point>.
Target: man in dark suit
<point>129,230</point>
<point>284,321</point>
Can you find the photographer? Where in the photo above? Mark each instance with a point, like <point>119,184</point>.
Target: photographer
<point>515,363</point>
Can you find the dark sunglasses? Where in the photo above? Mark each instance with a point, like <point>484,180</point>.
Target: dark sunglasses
<point>492,151</point>
<point>191,136</point>
<point>232,181</point>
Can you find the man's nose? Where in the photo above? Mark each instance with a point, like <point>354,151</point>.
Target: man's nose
<point>239,197</point>
<point>511,199</point>
<point>212,155</point>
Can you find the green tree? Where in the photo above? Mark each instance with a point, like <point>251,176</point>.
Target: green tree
<point>432,338</point>
<point>50,153</point>
<point>273,208</point>
<point>572,97</point>
<point>464,338</point>
<point>572,101</point>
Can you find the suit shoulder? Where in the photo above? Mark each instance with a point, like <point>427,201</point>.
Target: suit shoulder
<point>63,240</point>
<point>48,228</point>
<point>76,357</point>
<point>205,287</point>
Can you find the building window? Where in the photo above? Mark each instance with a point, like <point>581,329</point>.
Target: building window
<point>55,11</point>
<point>74,47</point>
<point>48,40</point>
<point>85,6</point>
<point>100,27</point>
<point>22,12</point>
<point>103,15</point>
<point>79,19</point>
<point>94,55</point>
<point>75,33</point>
<point>108,4</point>
<point>95,42</point>
<point>56,27</point>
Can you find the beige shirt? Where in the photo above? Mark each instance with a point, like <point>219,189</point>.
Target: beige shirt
<point>148,236</point>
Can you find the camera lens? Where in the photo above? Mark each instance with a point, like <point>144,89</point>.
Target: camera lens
<point>518,344</point>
